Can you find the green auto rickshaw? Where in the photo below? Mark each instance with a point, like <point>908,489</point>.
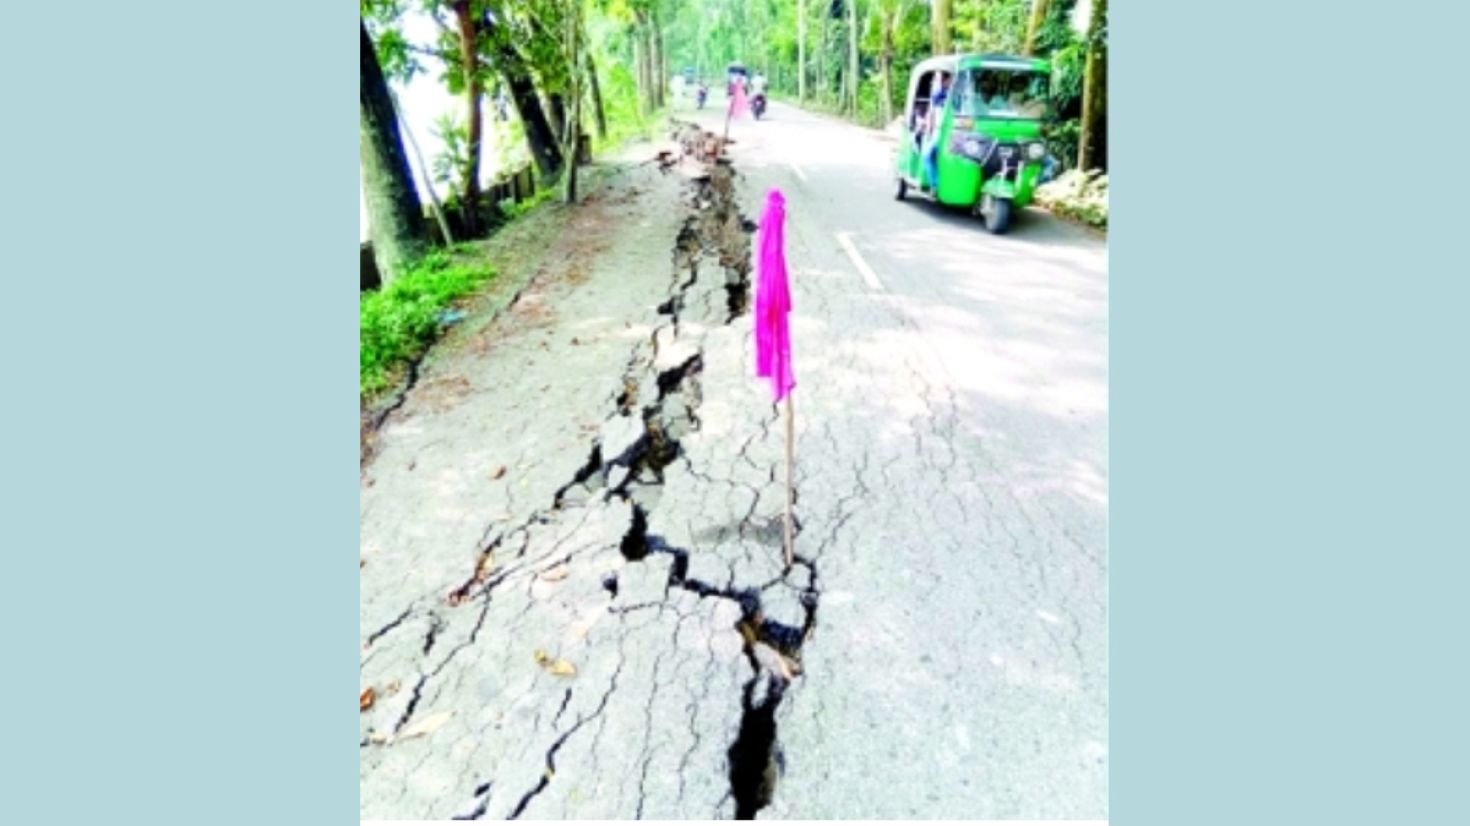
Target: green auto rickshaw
<point>983,142</point>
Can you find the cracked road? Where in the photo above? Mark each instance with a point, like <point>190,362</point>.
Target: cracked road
<point>594,478</point>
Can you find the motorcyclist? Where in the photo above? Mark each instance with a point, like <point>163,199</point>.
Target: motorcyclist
<point>758,93</point>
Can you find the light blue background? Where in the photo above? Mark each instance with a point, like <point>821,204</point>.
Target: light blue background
<point>180,412</point>
<point>1288,414</point>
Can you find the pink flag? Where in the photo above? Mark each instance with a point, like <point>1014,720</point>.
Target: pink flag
<point>737,101</point>
<point>773,300</point>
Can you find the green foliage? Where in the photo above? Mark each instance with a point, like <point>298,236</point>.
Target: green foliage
<point>397,323</point>
<point>990,25</point>
<point>452,165</point>
<point>396,57</point>
<point>512,210</point>
<point>620,101</point>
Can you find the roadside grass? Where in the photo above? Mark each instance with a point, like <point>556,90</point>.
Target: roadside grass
<point>512,210</point>
<point>398,323</point>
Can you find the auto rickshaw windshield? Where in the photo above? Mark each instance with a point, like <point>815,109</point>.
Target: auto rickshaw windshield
<point>989,92</point>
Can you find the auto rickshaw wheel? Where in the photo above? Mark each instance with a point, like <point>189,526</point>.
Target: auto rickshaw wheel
<point>996,212</point>
<point>903,188</point>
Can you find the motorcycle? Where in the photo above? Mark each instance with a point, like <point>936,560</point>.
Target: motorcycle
<point>758,104</point>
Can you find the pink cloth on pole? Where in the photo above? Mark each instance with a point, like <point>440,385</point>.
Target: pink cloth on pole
<point>737,100</point>
<point>773,300</point>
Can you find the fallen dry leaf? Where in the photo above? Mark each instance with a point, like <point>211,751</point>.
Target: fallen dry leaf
<point>499,472</point>
<point>426,726</point>
<point>394,687</point>
<point>556,574</point>
<point>361,563</point>
<point>556,668</point>
<point>365,700</point>
<point>378,737</point>
<point>486,565</point>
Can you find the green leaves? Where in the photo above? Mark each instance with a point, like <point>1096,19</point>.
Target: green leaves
<point>398,322</point>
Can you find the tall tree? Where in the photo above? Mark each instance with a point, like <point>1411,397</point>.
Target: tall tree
<point>395,216</point>
<point>574,122</point>
<point>801,51</point>
<point>852,58</point>
<point>939,22</point>
<point>1094,87</point>
<point>469,48</point>
<point>890,14</point>
<point>598,111</point>
<point>642,60</point>
<point>1038,14</point>
<point>823,80</point>
<point>514,69</point>
<point>556,110</point>
<point>660,69</point>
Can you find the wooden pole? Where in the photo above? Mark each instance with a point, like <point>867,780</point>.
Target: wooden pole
<point>790,449</point>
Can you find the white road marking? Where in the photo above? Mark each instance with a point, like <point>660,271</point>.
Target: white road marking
<point>797,170</point>
<point>869,276</point>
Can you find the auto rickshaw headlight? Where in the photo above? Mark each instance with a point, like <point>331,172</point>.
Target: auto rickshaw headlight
<point>972,147</point>
<point>1036,151</point>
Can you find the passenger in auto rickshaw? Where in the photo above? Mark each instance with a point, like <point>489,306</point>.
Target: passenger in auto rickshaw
<point>932,118</point>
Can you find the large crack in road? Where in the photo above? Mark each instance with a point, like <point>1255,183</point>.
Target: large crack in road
<point>656,408</point>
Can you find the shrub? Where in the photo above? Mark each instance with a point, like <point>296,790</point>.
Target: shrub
<point>1079,196</point>
<point>397,323</point>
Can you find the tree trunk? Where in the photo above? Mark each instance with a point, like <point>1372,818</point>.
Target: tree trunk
<point>1093,87</point>
<point>801,51</point>
<point>574,123</point>
<point>395,216</point>
<point>539,137</point>
<point>556,107</point>
<point>660,71</point>
<point>597,110</point>
<point>1038,14</point>
<point>890,21</point>
<point>469,49</point>
<point>822,79</point>
<point>852,59</point>
<point>642,59</point>
<point>939,26</point>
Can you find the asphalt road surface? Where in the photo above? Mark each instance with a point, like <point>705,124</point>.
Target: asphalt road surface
<point>939,651</point>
